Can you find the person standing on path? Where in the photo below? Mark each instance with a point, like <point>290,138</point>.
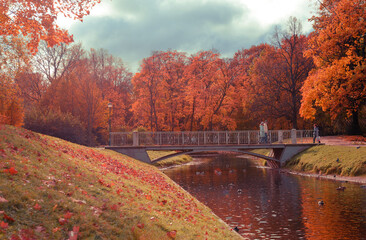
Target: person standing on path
<point>316,134</point>
<point>265,126</point>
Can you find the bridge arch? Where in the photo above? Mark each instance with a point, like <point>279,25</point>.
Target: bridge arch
<point>268,158</point>
<point>272,162</point>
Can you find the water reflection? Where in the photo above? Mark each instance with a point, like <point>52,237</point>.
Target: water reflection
<point>266,204</point>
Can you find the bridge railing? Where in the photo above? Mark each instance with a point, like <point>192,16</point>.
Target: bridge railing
<point>209,137</point>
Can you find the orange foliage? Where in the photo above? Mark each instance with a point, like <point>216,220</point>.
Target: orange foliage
<point>11,108</point>
<point>37,19</point>
<point>338,84</point>
<point>13,60</point>
<point>209,92</point>
<point>158,90</point>
<point>273,77</point>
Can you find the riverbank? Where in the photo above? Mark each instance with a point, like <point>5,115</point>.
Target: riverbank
<point>53,189</point>
<point>342,158</point>
<point>346,161</point>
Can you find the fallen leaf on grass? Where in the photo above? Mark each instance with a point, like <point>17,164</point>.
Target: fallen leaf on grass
<point>8,218</point>
<point>68,215</point>
<point>172,234</point>
<point>4,225</point>
<point>11,170</point>
<point>73,235</point>
<point>62,221</point>
<point>37,207</point>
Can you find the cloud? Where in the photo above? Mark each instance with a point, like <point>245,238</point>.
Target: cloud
<point>132,29</point>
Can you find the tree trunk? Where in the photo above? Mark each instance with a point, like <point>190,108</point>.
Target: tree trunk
<point>355,128</point>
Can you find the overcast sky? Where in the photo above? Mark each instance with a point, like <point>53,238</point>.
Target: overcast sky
<point>132,29</point>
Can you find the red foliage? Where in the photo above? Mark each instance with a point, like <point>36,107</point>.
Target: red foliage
<point>11,170</point>
<point>4,225</point>
<point>37,207</point>
<point>172,234</point>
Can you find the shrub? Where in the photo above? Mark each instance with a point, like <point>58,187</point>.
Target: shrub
<point>57,124</point>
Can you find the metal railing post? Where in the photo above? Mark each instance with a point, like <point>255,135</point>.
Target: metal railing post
<point>280,136</point>
<point>135,137</point>
<point>293,136</point>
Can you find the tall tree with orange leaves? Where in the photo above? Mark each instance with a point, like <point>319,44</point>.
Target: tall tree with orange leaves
<point>277,75</point>
<point>114,81</point>
<point>338,46</point>
<point>159,91</point>
<point>36,19</point>
<point>247,115</point>
<point>209,92</point>
<point>13,61</point>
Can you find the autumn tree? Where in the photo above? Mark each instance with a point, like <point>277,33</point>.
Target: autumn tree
<point>114,81</point>
<point>32,87</point>
<point>36,20</point>
<point>146,85</point>
<point>208,92</point>
<point>56,65</point>
<point>173,86</point>
<point>158,91</point>
<point>277,76</point>
<point>338,83</point>
<point>57,61</point>
<point>247,115</point>
<point>91,107</point>
<point>13,61</point>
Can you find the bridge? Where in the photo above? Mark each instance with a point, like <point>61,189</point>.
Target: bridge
<point>284,144</point>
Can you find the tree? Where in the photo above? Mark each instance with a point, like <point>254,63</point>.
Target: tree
<point>11,105</point>
<point>277,75</point>
<point>37,19</point>
<point>114,81</point>
<point>247,115</point>
<point>203,96</point>
<point>13,61</point>
<point>159,91</point>
<point>146,84</point>
<point>57,61</point>
<point>338,45</point>
<point>32,87</point>
<point>173,89</point>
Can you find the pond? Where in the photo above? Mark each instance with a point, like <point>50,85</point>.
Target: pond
<point>267,203</point>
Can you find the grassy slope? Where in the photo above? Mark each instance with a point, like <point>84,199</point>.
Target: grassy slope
<point>52,189</point>
<point>352,161</point>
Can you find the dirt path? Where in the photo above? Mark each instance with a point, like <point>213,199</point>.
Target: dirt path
<point>343,141</point>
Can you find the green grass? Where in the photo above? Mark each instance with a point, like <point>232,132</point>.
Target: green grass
<point>177,160</point>
<point>323,159</point>
<point>53,189</point>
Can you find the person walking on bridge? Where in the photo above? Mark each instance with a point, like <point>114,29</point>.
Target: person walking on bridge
<point>265,127</point>
<point>261,132</point>
<point>316,135</point>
